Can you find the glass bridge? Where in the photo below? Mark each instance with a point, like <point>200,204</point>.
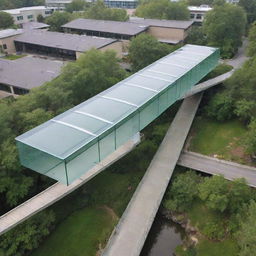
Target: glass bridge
<point>70,144</point>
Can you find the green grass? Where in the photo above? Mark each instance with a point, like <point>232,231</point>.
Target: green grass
<point>198,210</point>
<point>223,139</point>
<point>225,248</point>
<point>14,57</point>
<point>79,235</point>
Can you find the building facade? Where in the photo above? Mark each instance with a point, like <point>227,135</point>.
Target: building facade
<point>62,45</point>
<point>28,14</point>
<point>7,37</point>
<point>197,13</point>
<point>125,4</point>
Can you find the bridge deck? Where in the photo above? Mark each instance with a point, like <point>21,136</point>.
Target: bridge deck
<point>58,191</point>
<point>130,234</point>
<point>215,166</point>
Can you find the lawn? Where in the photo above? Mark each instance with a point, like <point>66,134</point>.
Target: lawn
<point>80,234</point>
<point>14,57</point>
<point>220,139</point>
<point>227,247</point>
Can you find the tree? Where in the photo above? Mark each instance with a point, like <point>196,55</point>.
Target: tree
<point>250,8</point>
<point>250,139</point>
<point>251,50</point>
<point>214,192</point>
<point>145,49</point>
<point>11,4</point>
<point>183,191</point>
<point>57,19</point>
<point>163,9</point>
<point>222,29</point>
<point>242,88</point>
<point>76,5</point>
<point>27,236</point>
<point>246,237</point>
<point>196,36</point>
<point>220,106</point>
<point>99,11</point>
<point>40,18</point>
<point>6,20</point>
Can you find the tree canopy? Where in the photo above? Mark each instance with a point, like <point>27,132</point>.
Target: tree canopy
<point>246,237</point>
<point>6,20</point>
<point>163,9</point>
<point>11,4</point>
<point>57,19</point>
<point>250,8</point>
<point>76,6</point>
<point>145,49</point>
<point>223,30</point>
<point>99,11</point>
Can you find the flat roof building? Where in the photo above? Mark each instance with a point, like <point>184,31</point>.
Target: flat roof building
<point>27,14</point>
<point>125,4</point>
<point>166,31</point>
<point>19,76</point>
<point>105,28</point>
<point>62,45</point>
<point>7,37</point>
<point>197,13</point>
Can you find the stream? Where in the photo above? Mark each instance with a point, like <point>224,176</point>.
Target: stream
<point>164,236</point>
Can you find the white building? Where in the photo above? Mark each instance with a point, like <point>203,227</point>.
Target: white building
<point>28,14</point>
<point>197,13</point>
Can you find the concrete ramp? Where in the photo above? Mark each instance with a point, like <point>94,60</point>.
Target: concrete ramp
<point>131,232</point>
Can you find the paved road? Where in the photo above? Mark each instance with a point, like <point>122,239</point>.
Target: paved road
<point>58,191</point>
<point>215,166</point>
<point>240,57</point>
<point>131,232</point>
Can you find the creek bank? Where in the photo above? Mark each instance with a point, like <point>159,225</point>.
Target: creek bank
<point>192,236</point>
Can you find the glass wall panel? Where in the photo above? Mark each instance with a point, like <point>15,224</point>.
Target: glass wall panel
<point>127,130</point>
<point>148,114</point>
<point>107,145</point>
<point>82,163</point>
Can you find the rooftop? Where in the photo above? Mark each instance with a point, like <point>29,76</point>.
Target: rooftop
<point>201,8</point>
<point>72,42</point>
<point>180,24</point>
<point>34,25</point>
<point>117,27</point>
<point>10,32</point>
<point>19,10</point>
<point>28,72</point>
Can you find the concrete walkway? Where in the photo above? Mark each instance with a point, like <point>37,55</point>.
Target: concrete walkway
<point>131,232</point>
<point>215,166</point>
<point>58,191</point>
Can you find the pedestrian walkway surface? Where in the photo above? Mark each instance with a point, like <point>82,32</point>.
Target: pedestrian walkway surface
<point>58,191</point>
<point>131,232</point>
<point>215,166</point>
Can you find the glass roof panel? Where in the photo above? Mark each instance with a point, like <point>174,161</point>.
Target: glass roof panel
<point>159,76</point>
<point>148,82</point>
<point>63,139</point>
<point>168,69</point>
<point>131,94</point>
<point>106,108</point>
<point>85,122</point>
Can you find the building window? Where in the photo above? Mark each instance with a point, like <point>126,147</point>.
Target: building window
<point>48,12</point>
<point>192,15</point>
<point>20,18</point>
<point>199,16</point>
<point>4,46</point>
<point>6,88</point>
<point>30,17</point>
